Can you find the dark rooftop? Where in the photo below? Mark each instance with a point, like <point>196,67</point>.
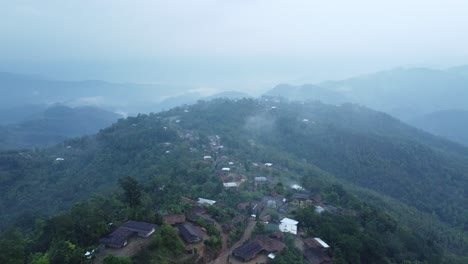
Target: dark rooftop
<point>270,245</point>
<point>318,257</point>
<point>301,196</point>
<point>143,226</point>
<point>277,235</point>
<point>174,219</point>
<point>248,251</point>
<point>204,217</point>
<point>116,238</point>
<point>190,233</point>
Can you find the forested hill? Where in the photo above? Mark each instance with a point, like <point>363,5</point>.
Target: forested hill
<point>451,124</point>
<point>418,178</point>
<point>55,124</point>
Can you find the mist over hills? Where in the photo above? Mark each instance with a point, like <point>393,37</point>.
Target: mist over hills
<point>25,95</point>
<point>422,97</point>
<point>19,90</point>
<point>54,124</point>
<point>450,124</point>
<point>404,93</point>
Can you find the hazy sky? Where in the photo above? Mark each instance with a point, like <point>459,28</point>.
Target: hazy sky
<point>265,40</point>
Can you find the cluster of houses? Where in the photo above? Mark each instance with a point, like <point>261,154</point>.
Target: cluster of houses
<point>315,249</point>
<point>188,231</point>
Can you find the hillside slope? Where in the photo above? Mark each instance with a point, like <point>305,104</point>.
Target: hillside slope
<point>450,124</point>
<point>376,156</point>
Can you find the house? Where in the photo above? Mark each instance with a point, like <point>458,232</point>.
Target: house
<point>266,218</point>
<point>317,258</point>
<point>117,238</point>
<point>188,200</point>
<point>202,201</point>
<point>288,225</point>
<point>143,229</point>
<point>206,157</point>
<point>319,209</point>
<point>283,208</point>
<point>194,216</point>
<point>174,219</point>
<point>268,164</point>
<point>316,251</point>
<point>260,179</point>
<point>248,251</point>
<point>89,254</point>
<point>190,233</point>
<point>300,196</point>
<point>270,245</point>
<point>278,235</point>
<point>197,210</point>
<point>316,243</point>
<point>230,184</point>
<point>297,187</point>
<point>273,201</point>
<point>226,169</point>
<point>59,159</point>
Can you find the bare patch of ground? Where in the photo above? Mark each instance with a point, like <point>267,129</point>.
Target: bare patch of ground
<point>135,244</point>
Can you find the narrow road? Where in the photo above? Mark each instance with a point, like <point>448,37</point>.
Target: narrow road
<point>222,258</point>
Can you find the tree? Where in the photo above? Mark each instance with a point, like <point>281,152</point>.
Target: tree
<point>111,259</point>
<point>39,258</point>
<point>65,252</point>
<point>132,191</point>
<point>12,247</point>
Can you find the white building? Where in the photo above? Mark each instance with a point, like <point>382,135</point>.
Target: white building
<point>206,157</point>
<point>297,187</point>
<point>319,209</point>
<point>206,201</point>
<point>260,179</point>
<point>226,169</point>
<point>288,225</point>
<point>230,184</point>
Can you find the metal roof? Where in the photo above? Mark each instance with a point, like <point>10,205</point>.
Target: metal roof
<point>143,226</point>
<point>289,221</point>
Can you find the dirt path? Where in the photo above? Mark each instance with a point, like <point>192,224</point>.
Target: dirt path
<point>223,257</point>
<point>135,244</point>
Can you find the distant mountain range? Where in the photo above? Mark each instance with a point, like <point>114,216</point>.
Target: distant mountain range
<point>19,90</point>
<point>35,111</point>
<point>409,94</point>
<point>403,93</point>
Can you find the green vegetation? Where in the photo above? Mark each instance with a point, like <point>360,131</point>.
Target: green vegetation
<point>403,190</point>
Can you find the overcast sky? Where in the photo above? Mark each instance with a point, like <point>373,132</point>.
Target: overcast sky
<point>306,36</point>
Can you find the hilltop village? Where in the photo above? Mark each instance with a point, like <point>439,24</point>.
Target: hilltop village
<point>257,230</point>
<point>260,230</point>
<point>216,182</point>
